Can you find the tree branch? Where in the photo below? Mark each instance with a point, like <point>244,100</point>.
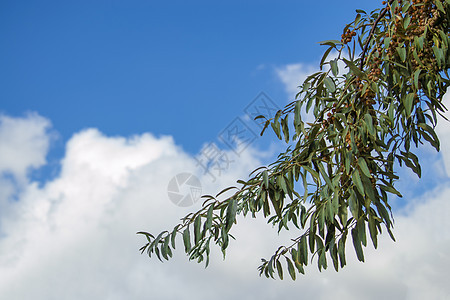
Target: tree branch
<point>366,45</point>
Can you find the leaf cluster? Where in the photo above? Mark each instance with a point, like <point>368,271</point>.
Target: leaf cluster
<point>337,174</point>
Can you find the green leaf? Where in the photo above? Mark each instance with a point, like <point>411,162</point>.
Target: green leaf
<point>265,176</point>
<point>369,123</point>
<point>266,124</point>
<point>330,42</point>
<point>285,127</point>
<point>405,7</point>
<point>187,240</point>
<point>231,214</point>
<point>276,129</point>
<point>439,6</point>
<point>355,69</point>
<point>312,172</point>
<point>341,250</point>
<point>147,235</point>
<point>225,240</point>
<point>408,103</point>
<point>173,236</point>
<point>156,241</point>
<point>225,190</point>
<point>303,250</point>
<point>158,254</point>
<point>368,189</point>
<point>334,67</point>
<point>311,239</point>
<point>209,217</point>
<point>382,211</point>
<point>418,41</point>
<point>390,189</point>
<point>305,187</point>
<point>335,203</point>
<point>321,219</point>
<point>416,57</point>
<point>434,141</point>
<point>299,267</point>
<point>402,53</point>
<point>207,252</point>
<point>276,202</point>
<point>347,160</point>
<point>322,262</point>
<point>353,203</point>
<point>291,268</point>
<point>334,256</point>
<point>373,231</point>
<point>412,161</point>
<point>362,231</point>
<point>325,55</point>
<point>325,176</point>
<point>298,115</point>
<point>165,250</point>
<point>282,183</point>
<point>270,268</point>
<point>197,224</point>
<point>416,78</point>
<point>358,183</point>
<point>439,54</point>
<point>357,244</point>
<point>279,269</point>
<point>330,85</point>
<point>363,166</point>
<point>387,40</point>
<point>406,19</point>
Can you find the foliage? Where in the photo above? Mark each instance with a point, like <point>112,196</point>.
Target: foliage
<point>334,180</point>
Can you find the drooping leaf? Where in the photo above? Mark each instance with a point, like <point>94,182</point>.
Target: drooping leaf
<point>187,240</point>
<point>291,269</point>
<point>231,214</point>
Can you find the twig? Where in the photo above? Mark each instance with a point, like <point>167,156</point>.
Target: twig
<point>369,37</point>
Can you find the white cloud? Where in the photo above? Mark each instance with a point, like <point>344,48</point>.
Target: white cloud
<point>443,130</point>
<point>293,75</point>
<point>24,144</point>
<point>74,237</point>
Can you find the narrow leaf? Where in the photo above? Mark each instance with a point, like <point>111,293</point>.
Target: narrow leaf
<point>357,244</point>
<point>357,180</point>
<point>279,269</point>
<point>364,168</point>
<point>187,240</point>
<point>231,214</point>
<point>291,268</point>
<point>197,224</point>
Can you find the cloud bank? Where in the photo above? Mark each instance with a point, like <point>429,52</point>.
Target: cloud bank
<point>73,237</point>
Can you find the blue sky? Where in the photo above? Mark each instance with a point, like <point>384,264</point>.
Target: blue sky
<point>180,68</point>
<point>104,102</point>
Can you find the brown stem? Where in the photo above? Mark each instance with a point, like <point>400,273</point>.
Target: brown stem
<point>369,37</point>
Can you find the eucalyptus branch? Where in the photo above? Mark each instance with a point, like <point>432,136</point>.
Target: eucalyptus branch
<point>343,163</point>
